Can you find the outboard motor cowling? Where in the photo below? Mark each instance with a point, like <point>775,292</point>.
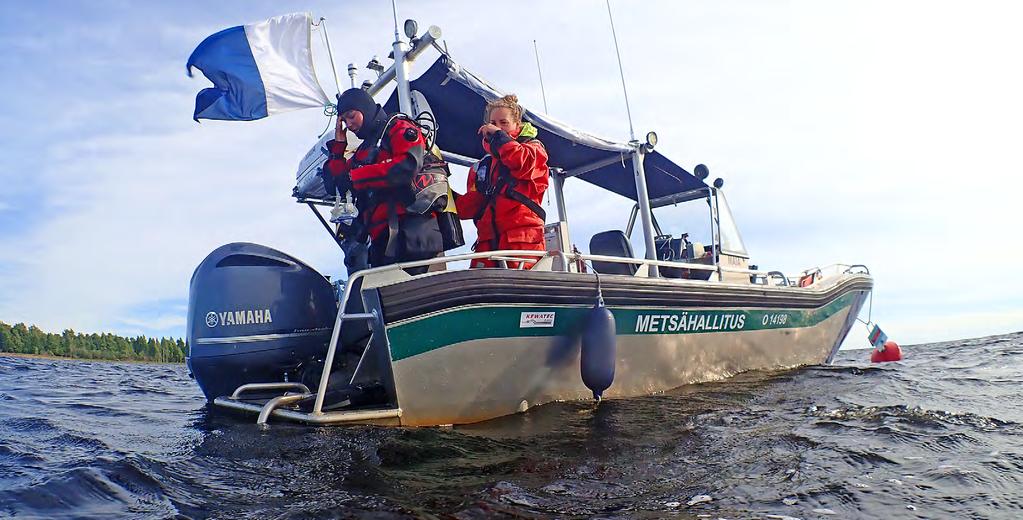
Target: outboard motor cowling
<point>255,315</point>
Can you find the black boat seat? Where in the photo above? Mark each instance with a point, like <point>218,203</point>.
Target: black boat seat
<point>612,243</point>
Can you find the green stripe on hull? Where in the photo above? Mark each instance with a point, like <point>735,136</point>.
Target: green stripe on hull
<point>432,332</point>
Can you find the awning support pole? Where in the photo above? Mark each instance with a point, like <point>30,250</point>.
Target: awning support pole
<point>558,181</point>
<point>557,176</point>
<point>716,231</point>
<point>643,198</point>
<point>401,67</point>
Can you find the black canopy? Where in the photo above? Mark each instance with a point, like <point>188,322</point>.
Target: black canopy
<point>457,97</point>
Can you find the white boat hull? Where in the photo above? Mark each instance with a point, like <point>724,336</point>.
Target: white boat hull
<point>475,362</point>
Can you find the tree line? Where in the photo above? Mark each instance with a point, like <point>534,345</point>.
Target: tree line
<point>22,339</point>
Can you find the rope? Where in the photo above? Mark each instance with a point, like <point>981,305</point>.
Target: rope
<point>600,292</point>
<point>329,111</point>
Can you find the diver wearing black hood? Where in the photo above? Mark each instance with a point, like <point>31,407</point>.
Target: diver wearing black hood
<point>373,114</point>
<point>380,175</point>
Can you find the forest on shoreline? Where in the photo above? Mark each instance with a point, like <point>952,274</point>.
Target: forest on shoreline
<point>29,339</point>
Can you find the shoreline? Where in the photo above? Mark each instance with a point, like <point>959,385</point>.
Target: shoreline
<point>63,358</point>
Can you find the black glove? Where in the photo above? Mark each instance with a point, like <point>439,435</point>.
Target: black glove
<point>328,182</point>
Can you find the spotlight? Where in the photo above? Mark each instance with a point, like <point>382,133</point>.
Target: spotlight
<point>719,182</point>
<point>411,28</point>
<point>701,172</point>
<point>651,141</point>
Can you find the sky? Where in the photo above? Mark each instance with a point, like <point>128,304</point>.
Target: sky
<point>872,132</point>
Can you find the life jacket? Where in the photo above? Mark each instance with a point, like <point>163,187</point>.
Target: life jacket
<point>494,180</point>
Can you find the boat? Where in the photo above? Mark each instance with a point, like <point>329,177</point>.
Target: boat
<point>270,336</point>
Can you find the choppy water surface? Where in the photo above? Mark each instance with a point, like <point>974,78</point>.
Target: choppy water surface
<point>936,436</point>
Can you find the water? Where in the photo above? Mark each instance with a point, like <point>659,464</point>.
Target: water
<point>936,436</point>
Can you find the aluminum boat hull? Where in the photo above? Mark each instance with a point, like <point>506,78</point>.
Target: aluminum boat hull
<point>461,352</point>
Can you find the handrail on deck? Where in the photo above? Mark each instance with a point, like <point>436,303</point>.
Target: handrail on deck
<point>253,387</point>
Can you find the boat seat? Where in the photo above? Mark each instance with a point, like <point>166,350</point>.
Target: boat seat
<point>612,243</point>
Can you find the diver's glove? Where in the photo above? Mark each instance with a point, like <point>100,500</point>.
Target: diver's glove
<point>329,185</point>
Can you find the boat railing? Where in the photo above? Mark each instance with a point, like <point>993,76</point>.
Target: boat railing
<point>768,275</point>
<point>814,274</point>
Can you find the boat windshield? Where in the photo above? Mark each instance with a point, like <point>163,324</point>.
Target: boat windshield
<point>731,240</point>
<point>691,218</point>
<point>694,219</point>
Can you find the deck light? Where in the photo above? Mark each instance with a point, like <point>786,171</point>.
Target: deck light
<point>651,141</point>
<point>411,28</point>
<point>701,172</point>
<point>719,182</point>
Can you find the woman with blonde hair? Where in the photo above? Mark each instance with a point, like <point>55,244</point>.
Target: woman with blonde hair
<point>506,187</point>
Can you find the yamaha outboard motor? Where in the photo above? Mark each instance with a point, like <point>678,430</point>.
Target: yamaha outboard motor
<point>255,315</point>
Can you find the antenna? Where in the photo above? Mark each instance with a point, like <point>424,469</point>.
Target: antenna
<point>394,10</point>
<point>632,133</point>
<point>539,72</point>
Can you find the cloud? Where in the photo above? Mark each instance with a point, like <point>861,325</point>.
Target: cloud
<point>842,136</point>
<point>132,215</point>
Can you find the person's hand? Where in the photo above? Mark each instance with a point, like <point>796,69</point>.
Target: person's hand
<point>487,130</point>
<point>340,133</point>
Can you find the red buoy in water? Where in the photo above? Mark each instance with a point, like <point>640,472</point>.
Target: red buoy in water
<point>890,351</point>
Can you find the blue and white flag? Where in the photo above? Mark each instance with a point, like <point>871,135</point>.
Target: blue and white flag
<point>258,70</point>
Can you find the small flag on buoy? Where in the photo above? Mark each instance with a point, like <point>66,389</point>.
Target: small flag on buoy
<point>884,349</point>
<point>877,337</point>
